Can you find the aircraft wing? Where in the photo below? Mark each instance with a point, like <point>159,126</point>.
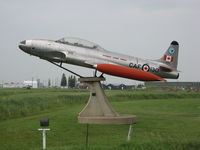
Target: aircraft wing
<point>55,55</point>
<point>94,63</point>
<point>127,72</point>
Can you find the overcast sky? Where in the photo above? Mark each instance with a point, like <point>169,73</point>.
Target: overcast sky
<point>135,27</point>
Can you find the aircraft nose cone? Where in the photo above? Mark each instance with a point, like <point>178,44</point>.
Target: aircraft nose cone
<point>22,45</point>
<point>23,42</point>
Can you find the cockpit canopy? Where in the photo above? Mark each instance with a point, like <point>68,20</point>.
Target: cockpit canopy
<point>80,43</point>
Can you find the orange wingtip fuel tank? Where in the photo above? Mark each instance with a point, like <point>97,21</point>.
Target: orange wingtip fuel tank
<point>129,73</point>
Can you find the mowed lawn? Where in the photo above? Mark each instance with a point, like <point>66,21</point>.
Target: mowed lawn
<point>167,120</point>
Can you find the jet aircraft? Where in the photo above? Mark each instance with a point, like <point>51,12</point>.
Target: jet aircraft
<point>88,54</point>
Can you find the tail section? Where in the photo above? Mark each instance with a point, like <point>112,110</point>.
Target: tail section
<point>170,57</point>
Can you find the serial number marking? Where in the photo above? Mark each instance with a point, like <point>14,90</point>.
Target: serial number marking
<point>144,67</point>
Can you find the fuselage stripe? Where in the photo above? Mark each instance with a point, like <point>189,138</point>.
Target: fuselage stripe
<point>107,56</point>
<point>123,59</point>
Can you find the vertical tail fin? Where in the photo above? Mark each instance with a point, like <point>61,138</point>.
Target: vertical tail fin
<point>170,57</point>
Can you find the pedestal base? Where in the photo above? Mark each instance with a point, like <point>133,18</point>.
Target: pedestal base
<point>124,119</point>
<point>98,109</point>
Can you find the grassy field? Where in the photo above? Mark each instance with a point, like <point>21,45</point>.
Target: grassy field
<point>167,120</point>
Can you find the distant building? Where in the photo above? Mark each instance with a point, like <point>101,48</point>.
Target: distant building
<point>118,86</point>
<point>33,84</point>
<point>109,86</point>
<point>82,86</point>
<point>173,85</point>
<point>12,85</point>
<point>24,84</point>
<point>39,84</point>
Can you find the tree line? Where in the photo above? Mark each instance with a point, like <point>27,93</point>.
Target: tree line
<point>71,82</point>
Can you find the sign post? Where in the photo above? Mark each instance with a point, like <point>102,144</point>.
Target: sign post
<point>44,137</point>
<point>44,122</point>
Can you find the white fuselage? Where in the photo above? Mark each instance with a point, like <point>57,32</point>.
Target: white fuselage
<point>89,57</point>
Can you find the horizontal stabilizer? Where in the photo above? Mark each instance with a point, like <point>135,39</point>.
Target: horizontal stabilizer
<point>168,69</point>
<point>127,72</point>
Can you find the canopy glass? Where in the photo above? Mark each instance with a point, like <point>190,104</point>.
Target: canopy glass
<point>80,43</point>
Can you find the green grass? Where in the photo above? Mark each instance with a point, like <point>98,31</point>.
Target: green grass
<point>167,120</point>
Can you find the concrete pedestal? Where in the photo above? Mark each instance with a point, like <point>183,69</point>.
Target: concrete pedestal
<point>98,109</point>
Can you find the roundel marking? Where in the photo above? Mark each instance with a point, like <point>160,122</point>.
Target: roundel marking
<point>145,67</point>
<point>171,50</point>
